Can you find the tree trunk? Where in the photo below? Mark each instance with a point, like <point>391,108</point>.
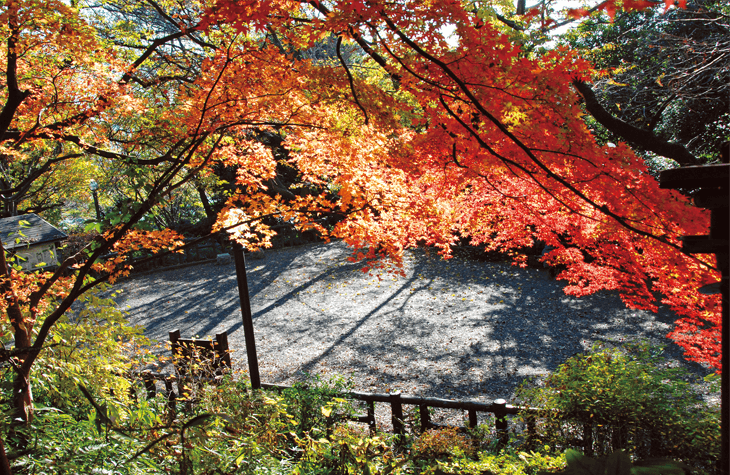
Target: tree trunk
<point>22,400</point>
<point>4,462</point>
<point>209,212</point>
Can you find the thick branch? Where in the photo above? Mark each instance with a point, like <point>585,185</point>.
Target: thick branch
<point>15,95</point>
<point>643,138</point>
<point>148,52</point>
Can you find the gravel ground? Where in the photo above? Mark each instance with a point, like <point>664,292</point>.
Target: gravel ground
<point>456,329</point>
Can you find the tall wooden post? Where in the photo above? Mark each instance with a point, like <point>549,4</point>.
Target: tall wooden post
<point>247,317</point>
<point>712,184</point>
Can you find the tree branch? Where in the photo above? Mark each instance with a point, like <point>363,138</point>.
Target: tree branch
<point>643,138</point>
<point>350,79</point>
<point>15,95</point>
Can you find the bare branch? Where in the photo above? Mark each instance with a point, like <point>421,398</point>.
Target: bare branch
<point>350,79</point>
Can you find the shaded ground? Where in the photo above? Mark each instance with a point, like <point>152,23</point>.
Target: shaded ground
<point>456,329</point>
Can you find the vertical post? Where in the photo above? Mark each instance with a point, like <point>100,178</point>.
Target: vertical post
<point>500,423</point>
<point>473,421</point>
<point>371,416</point>
<point>712,183</point>
<point>720,229</point>
<point>253,362</point>
<point>425,417</point>
<point>171,397</point>
<point>177,356</point>
<point>396,409</point>
<point>723,259</point>
<point>222,352</point>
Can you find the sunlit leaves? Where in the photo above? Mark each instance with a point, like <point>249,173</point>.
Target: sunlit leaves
<point>468,137</point>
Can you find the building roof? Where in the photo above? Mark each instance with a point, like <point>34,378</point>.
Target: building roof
<point>28,229</point>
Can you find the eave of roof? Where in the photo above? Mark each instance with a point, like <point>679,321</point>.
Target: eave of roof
<point>27,230</point>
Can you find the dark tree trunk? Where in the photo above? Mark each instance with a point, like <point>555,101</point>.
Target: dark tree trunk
<point>22,401</point>
<point>4,462</point>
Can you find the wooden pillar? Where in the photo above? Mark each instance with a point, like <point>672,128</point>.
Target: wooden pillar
<point>500,423</point>
<point>371,417</point>
<point>396,409</point>
<point>473,420</point>
<point>247,317</point>
<point>222,353</point>
<point>425,417</point>
<point>712,185</point>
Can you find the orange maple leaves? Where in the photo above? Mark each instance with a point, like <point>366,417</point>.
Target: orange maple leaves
<point>503,158</point>
<point>472,138</point>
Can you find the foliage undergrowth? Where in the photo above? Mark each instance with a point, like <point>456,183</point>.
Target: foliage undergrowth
<point>94,417</point>
<point>631,399</point>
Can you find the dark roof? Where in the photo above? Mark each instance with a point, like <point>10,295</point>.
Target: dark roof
<point>34,230</point>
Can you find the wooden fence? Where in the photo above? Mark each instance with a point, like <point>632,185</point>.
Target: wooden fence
<point>396,400</point>
<point>581,424</point>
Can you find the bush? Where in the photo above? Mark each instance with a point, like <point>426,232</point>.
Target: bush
<point>442,443</point>
<point>350,451</point>
<point>317,403</point>
<point>95,347</point>
<point>508,462</point>
<point>629,398</point>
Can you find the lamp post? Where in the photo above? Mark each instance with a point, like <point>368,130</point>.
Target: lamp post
<point>94,186</point>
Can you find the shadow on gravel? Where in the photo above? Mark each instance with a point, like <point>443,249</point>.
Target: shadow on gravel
<point>454,329</point>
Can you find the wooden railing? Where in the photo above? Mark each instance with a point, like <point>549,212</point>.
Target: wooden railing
<point>396,400</point>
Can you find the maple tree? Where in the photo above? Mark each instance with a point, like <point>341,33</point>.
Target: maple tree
<point>423,140</point>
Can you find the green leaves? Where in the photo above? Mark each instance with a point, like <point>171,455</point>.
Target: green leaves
<point>628,398</point>
<point>618,463</point>
<point>94,226</point>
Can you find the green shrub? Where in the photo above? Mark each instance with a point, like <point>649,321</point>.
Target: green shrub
<point>618,463</point>
<point>508,462</point>
<point>631,399</point>
<point>307,400</point>
<point>94,346</point>
<point>61,444</point>
<point>350,451</point>
<point>261,430</point>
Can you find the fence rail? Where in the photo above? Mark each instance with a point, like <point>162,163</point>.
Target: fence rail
<point>396,400</point>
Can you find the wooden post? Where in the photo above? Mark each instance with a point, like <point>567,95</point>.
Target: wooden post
<point>473,421</point>
<point>713,185</point>
<point>371,416</point>
<point>425,417</point>
<point>222,353</point>
<point>253,361</point>
<point>396,408</point>
<point>500,423</point>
